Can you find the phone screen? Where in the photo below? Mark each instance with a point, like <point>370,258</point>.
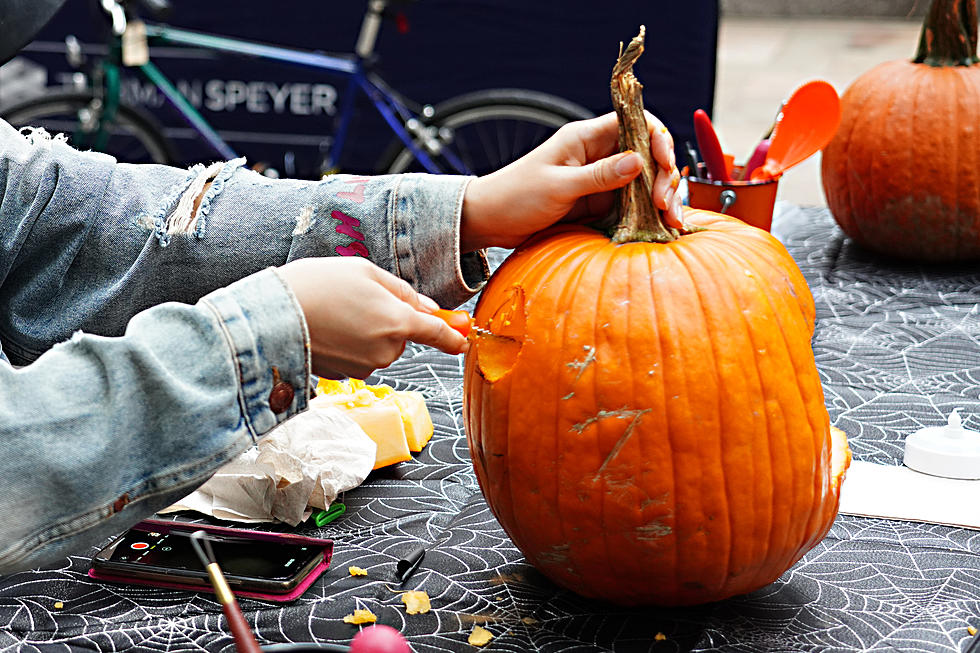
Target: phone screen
<point>244,561</point>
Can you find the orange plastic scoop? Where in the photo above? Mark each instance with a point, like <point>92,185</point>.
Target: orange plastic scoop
<point>462,322</point>
<point>809,120</point>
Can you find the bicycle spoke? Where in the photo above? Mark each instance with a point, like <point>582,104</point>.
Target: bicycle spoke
<point>491,129</point>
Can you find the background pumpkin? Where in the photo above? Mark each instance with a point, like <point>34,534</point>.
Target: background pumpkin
<point>659,433</point>
<point>902,174</point>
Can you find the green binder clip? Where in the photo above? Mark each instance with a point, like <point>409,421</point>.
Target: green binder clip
<point>324,517</point>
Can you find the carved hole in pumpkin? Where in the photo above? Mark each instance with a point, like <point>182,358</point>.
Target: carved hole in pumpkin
<point>496,357</point>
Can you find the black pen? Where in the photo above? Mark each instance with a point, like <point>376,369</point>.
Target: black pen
<point>693,169</point>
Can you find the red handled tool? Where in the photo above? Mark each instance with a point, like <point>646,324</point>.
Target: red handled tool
<point>711,152</point>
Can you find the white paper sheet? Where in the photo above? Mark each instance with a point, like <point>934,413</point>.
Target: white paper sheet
<point>897,492</point>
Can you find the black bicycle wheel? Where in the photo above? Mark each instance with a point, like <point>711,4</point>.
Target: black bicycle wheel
<point>133,137</point>
<point>485,131</point>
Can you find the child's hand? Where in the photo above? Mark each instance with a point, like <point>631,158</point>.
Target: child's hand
<point>570,176</point>
<point>359,316</point>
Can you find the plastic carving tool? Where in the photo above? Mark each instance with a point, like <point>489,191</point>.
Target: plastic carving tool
<point>463,322</point>
<point>807,122</point>
<point>711,152</point>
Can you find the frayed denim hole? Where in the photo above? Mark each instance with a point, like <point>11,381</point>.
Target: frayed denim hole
<point>217,185</point>
<point>305,220</point>
<point>169,202</point>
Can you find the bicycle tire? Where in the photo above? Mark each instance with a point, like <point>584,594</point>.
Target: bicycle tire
<point>489,129</point>
<point>134,136</point>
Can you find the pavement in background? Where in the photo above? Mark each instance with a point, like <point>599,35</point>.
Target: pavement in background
<point>761,62</point>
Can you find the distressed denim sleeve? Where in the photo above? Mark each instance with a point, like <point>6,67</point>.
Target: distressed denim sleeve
<point>86,243</point>
<point>101,432</point>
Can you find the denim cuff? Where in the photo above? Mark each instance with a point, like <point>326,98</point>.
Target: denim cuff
<point>264,325</point>
<point>427,255</point>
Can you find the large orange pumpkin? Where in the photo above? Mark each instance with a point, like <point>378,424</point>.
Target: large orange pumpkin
<point>651,428</point>
<point>902,175</point>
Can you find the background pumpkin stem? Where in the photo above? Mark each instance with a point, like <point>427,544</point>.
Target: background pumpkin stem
<point>949,34</point>
<point>640,221</point>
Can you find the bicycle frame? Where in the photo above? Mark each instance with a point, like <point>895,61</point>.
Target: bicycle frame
<point>407,125</point>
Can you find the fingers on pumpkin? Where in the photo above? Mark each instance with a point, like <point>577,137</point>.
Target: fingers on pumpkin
<point>673,212</point>
<point>666,198</point>
<point>661,143</point>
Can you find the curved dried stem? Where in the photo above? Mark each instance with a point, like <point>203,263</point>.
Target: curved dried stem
<point>640,221</point>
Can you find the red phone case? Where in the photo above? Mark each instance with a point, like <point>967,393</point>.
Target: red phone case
<point>291,595</point>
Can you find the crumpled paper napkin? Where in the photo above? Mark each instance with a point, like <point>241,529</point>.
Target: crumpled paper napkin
<point>302,464</point>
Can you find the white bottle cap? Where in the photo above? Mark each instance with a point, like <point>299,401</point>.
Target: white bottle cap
<point>950,451</point>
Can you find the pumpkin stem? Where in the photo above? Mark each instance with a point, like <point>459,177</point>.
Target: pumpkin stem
<point>640,221</point>
<point>949,34</point>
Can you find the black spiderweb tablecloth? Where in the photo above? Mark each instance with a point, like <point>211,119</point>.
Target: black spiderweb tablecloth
<point>898,347</point>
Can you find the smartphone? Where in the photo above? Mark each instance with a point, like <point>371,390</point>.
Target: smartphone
<point>157,552</point>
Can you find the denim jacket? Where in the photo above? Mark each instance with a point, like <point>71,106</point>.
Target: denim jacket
<point>145,344</point>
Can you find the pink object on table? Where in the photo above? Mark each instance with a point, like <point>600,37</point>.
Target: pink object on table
<point>379,639</point>
<point>757,159</point>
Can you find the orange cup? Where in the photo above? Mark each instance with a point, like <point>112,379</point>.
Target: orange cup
<point>751,202</point>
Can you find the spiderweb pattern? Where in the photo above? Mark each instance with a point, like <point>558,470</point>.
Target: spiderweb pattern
<point>898,347</point>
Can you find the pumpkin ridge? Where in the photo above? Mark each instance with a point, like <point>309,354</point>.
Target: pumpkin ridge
<point>689,478</point>
<point>850,171</point>
<point>662,348</point>
<point>974,198</point>
<point>609,252</point>
<point>525,272</point>
<point>566,298</point>
<point>779,441</point>
<point>957,188</point>
<point>566,245</point>
<point>690,259</point>
<point>967,175</point>
<point>815,450</point>
<point>884,113</point>
<point>775,261</point>
<point>717,252</point>
<point>671,484</point>
<point>907,167</point>
<point>952,144</point>
<point>764,276</point>
<point>781,457</point>
<point>817,445</point>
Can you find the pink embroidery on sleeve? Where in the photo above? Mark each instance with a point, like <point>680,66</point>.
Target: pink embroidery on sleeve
<point>356,248</point>
<point>356,195</point>
<point>347,225</point>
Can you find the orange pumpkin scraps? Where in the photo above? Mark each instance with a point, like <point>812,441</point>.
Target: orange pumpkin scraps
<point>361,616</point>
<point>416,602</point>
<point>480,636</point>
